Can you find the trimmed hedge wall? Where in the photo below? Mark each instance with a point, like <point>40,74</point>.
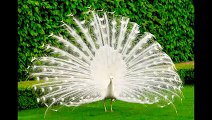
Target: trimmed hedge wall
<point>172,22</point>
<point>187,76</point>
<point>186,72</point>
<point>26,99</point>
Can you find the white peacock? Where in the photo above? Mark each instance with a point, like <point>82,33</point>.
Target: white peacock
<point>110,59</point>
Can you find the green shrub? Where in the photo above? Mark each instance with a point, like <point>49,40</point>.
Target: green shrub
<point>186,72</point>
<point>26,98</point>
<point>187,76</point>
<point>171,22</point>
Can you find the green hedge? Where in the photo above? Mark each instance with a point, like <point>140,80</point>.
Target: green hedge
<point>26,99</point>
<point>171,21</point>
<point>186,72</point>
<point>187,76</point>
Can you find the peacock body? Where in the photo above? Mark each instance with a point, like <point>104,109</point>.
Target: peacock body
<point>109,59</point>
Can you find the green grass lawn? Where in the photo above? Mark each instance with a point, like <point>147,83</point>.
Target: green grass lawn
<point>122,111</point>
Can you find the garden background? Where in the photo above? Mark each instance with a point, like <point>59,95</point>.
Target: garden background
<point>171,21</point>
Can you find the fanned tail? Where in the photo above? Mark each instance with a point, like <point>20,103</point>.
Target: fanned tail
<point>106,45</point>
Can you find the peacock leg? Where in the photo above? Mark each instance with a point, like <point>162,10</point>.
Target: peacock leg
<point>111,105</point>
<point>105,105</point>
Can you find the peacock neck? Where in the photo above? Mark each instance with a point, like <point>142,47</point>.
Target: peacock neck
<point>110,93</point>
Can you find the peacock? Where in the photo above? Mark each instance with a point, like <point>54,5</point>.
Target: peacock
<point>105,57</point>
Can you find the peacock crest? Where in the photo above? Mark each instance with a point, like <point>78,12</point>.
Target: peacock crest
<point>103,57</point>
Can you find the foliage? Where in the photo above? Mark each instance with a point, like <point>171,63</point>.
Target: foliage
<point>186,72</point>
<point>26,99</point>
<point>187,76</point>
<point>171,22</point>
